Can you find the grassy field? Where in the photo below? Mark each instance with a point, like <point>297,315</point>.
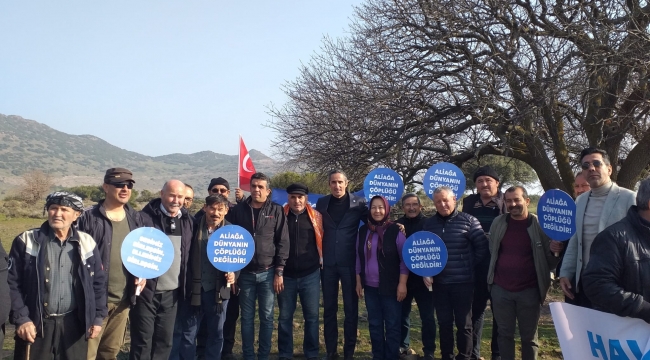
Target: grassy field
<point>549,346</point>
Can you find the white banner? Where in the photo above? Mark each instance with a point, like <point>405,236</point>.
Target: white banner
<point>590,334</point>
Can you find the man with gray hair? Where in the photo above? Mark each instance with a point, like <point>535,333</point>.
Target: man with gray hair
<point>615,279</point>
<point>453,288</point>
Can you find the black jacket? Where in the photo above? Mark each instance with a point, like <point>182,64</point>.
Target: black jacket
<point>152,216</point>
<point>303,257</point>
<point>5,299</point>
<point>339,242</point>
<point>388,259</point>
<point>269,231</point>
<point>27,283</point>
<point>95,223</point>
<point>411,226</point>
<point>467,245</point>
<point>617,277</point>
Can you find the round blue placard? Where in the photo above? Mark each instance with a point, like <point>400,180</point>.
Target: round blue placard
<point>230,248</point>
<point>556,211</point>
<point>385,182</point>
<point>147,253</point>
<point>425,253</point>
<point>444,174</point>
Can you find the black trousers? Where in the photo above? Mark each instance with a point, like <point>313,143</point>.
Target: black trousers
<point>481,297</point>
<point>152,326</point>
<point>64,338</point>
<point>330,277</point>
<point>453,304</point>
<point>230,326</point>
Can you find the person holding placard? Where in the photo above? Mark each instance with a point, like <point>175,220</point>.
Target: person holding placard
<point>519,273</point>
<point>154,311</point>
<point>209,299</point>
<point>413,221</point>
<point>57,285</point>
<point>382,275</point>
<point>485,206</point>
<point>109,222</point>
<point>264,275</point>
<point>453,288</point>
<point>301,274</point>
<point>605,204</point>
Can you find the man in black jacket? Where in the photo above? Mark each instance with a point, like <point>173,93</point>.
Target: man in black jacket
<point>413,221</point>
<point>5,300</point>
<point>154,312</point>
<point>453,288</point>
<point>263,276</point>
<point>615,279</point>
<point>108,223</point>
<point>342,212</point>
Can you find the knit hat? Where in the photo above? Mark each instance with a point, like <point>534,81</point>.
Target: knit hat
<point>486,171</point>
<point>218,181</point>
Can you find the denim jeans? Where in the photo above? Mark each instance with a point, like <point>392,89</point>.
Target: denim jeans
<point>256,287</point>
<point>308,288</point>
<point>331,275</point>
<point>384,314</point>
<point>424,299</point>
<point>188,321</point>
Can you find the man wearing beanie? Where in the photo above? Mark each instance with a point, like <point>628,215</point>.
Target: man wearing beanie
<point>301,273</point>
<point>486,205</point>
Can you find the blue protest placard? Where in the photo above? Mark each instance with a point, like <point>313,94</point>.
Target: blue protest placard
<point>147,253</point>
<point>556,211</point>
<point>444,174</point>
<point>230,248</point>
<point>425,253</point>
<point>385,182</point>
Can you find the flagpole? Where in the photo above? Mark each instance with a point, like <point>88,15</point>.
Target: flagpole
<point>238,161</point>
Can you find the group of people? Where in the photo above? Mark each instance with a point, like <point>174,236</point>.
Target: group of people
<point>71,296</point>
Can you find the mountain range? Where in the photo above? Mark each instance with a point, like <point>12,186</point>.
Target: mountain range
<point>27,145</point>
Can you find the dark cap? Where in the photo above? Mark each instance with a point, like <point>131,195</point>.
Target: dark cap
<point>218,181</point>
<point>118,175</point>
<point>486,171</point>
<point>297,189</point>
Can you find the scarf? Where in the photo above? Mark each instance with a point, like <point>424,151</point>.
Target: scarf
<point>317,222</point>
<point>377,227</point>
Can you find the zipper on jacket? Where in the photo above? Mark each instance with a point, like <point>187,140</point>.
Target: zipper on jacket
<point>40,304</point>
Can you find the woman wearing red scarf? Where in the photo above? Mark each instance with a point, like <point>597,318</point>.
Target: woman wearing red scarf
<point>382,275</point>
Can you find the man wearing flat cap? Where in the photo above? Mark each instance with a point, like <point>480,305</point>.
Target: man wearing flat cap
<point>485,206</point>
<point>108,223</point>
<point>301,273</point>
<point>57,285</point>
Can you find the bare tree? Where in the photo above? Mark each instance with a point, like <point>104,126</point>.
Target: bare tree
<point>36,185</point>
<point>418,82</point>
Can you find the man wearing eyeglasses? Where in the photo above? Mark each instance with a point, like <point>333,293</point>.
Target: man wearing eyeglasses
<point>189,196</point>
<point>108,223</point>
<point>605,204</point>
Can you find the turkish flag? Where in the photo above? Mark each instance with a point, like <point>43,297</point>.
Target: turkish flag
<point>246,168</point>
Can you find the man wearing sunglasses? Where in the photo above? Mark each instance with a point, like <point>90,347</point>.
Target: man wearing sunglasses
<point>605,204</point>
<point>108,223</point>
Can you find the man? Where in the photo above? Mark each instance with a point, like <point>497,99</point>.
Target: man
<point>605,204</point>
<point>484,206</point>
<point>108,223</point>
<point>210,295</point>
<point>189,196</point>
<point>57,284</point>
<point>301,273</point>
<point>519,274</point>
<point>453,288</point>
<point>615,279</point>
<point>264,275</point>
<point>5,299</point>
<point>342,212</point>
<point>154,310</point>
<point>413,221</point>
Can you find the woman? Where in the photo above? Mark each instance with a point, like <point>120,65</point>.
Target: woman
<point>382,275</point>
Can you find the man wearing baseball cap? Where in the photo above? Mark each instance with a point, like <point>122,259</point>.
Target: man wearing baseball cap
<point>108,223</point>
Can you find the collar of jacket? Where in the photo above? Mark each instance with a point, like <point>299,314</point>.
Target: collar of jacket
<point>408,220</point>
<point>155,208</point>
<point>249,200</point>
<point>445,218</point>
<point>529,219</point>
<point>45,230</point>
<point>102,210</point>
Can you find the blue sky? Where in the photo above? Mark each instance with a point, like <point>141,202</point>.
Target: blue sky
<point>159,77</point>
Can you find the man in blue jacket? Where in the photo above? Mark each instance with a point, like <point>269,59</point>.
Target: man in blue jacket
<point>453,288</point>
<point>57,285</point>
<point>341,212</point>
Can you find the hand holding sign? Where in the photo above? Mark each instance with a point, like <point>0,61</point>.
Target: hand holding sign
<point>444,174</point>
<point>230,248</point>
<point>425,254</point>
<point>384,182</point>
<point>556,211</point>
<point>147,253</point>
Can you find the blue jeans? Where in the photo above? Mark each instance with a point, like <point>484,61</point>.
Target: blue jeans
<point>256,287</point>
<point>330,276</point>
<point>187,325</point>
<point>424,300</point>
<point>308,287</point>
<point>384,313</point>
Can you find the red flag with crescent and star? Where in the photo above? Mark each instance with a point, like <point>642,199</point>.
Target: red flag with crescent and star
<point>246,168</point>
